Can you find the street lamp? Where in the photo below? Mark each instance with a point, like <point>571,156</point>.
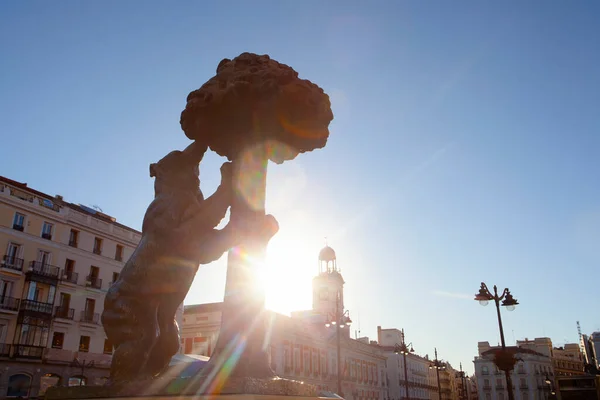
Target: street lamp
<point>438,365</point>
<point>403,349</point>
<point>339,319</point>
<point>550,386</point>
<point>507,362</point>
<point>83,365</point>
<point>461,374</point>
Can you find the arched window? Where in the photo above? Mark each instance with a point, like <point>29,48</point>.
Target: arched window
<point>77,380</point>
<point>18,385</point>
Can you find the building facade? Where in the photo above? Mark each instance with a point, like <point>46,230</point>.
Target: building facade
<point>421,379</point>
<point>301,346</point>
<point>528,377</point>
<point>59,259</point>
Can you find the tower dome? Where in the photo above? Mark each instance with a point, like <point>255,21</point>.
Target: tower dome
<point>327,254</point>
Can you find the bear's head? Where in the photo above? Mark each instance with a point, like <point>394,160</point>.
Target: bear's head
<point>178,170</point>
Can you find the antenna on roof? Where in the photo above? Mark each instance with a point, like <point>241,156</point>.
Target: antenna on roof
<point>97,208</point>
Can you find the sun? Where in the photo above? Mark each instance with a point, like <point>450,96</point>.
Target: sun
<point>287,273</point>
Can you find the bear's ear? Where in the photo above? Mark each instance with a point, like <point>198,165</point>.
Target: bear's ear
<point>153,168</point>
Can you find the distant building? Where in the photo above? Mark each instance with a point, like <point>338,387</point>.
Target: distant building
<point>59,259</point>
<point>566,361</point>
<point>421,380</point>
<point>301,346</point>
<point>528,376</point>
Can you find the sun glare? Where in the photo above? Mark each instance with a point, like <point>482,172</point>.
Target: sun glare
<point>287,274</point>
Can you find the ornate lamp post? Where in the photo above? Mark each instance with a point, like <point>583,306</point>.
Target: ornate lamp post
<point>83,365</point>
<point>504,361</point>
<point>461,375</point>
<point>403,349</point>
<point>339,319</point>
<point>438,365</point>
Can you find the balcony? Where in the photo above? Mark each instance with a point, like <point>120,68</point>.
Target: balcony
<point>523,386</point>
<point>27,351</point>
<point>97,250</point>
<point>64,312</point>
<point>44,273</point>
<point>4,350</point>
<point>88,317</point>
<point>47,236</point>
<point>9,303</point>
<point>36,307</point>
<point>93,282</point>
<point>11,262</point>
<point>69,276</point>
<point>18,227</point>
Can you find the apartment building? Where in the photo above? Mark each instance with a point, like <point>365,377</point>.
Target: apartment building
<point>422,381</point>
<point>59,260</point>
<point>528,377</point>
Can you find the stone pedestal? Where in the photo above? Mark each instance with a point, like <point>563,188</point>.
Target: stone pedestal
<point>232,388</point>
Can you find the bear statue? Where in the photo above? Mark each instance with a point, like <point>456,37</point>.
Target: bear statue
<point>178,234</point>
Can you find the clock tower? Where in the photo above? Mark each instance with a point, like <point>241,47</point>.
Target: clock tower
<point>328,285</point>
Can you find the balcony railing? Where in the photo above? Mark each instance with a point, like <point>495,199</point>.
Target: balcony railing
<point>93,281</point>
<point>36,306</point>
<point>18,227</point>
<point>12,262</point>
<point>69,276</point>
<point>97,250</point>
<point>46,270</point>
<point>64,312</point>
<point>9,303</point>
<point>4,350</point>
<point>47,236</point>
<point>27,351</point>
<point>89,317</point>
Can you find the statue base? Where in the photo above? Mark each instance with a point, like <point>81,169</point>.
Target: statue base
<point>182,388</point>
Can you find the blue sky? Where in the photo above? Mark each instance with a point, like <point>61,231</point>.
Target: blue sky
<point>465,145</point>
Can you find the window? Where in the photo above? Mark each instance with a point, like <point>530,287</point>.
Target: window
<point>486,383</point>
<point>97,246</point>
<point>485,370</point>
<point>19,222</point>
<point>488,396</point>
<point>12,260</point>
<point>115,277</point>
<point>73,238</point>
<point>84,343</point>
<point>108,347</point>
<point>18,385</point>
<point>93,279</point>
<point>119,253</point>
<point>500,396</point>
<point>57,340</point>
<point>90,305</point>
<point>47,230</point>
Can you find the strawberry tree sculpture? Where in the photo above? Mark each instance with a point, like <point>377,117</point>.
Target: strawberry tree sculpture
<point>253,110</point>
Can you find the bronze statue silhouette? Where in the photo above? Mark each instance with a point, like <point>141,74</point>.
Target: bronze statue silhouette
<point>178,234</point>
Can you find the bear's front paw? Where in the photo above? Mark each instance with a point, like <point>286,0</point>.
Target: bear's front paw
<point>269,227</point>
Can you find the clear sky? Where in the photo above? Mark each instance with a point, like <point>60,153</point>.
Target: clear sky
<point>465,145</point>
